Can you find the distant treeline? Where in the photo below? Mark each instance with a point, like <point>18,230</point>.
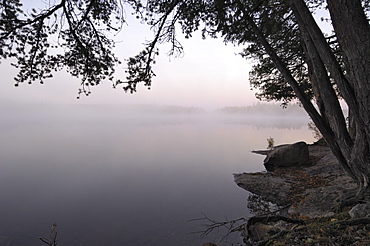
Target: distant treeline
<point>265,109</point>
<point>165,109</point>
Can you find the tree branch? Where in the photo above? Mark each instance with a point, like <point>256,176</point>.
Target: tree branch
<point>40,17</point>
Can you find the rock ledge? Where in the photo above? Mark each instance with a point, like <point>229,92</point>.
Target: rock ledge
<point>310,191</point>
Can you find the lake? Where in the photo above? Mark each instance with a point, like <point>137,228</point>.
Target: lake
<point>107,176</point>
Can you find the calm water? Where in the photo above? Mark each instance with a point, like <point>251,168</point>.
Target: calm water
<point>107,177</point>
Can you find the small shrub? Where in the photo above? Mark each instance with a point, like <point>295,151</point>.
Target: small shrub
<point>270,143</point>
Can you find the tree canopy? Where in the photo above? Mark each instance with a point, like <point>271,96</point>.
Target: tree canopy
<point>293,57</point>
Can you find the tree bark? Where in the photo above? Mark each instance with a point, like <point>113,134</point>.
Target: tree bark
<point>353,33</point>
<point>352,30</point>
<point>340,141</point>
<point>326,53</point>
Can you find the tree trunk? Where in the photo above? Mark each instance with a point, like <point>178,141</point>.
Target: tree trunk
<point>325,51</point>
<point>352,151</point>
<point>353,33</point>
<point>319,121</point>
<point>352,30</point>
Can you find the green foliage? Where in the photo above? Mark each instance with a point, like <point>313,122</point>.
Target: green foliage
<point>73,35</point>
<point>277,22</point>
<point>70,35</point>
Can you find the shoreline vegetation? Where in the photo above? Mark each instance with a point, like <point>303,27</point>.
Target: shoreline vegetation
<point>302,205</point>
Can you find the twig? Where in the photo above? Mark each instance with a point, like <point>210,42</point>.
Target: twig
<point>53,237</point>
<point>230,225</point>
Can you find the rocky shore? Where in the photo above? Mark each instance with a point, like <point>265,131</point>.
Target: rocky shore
<point>302,193</point>
<point>313,190</point>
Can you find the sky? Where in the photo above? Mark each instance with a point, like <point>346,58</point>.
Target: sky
<point>209,75</point>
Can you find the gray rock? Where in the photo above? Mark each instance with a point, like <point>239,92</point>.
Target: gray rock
<point>271,187</point>
<point>291,155</point>
<point>359,211</point>
<point>319,201</point>
<point>361,232</point>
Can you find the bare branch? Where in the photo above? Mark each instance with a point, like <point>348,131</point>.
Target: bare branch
<point>231,226</point>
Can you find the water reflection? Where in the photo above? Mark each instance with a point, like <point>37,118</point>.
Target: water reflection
<point>110,178</point>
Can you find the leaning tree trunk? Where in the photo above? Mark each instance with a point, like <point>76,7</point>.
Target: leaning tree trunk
<point>353,154</point>
<point>353,33</point>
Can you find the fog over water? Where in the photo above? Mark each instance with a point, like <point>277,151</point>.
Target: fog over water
<point>128,175</point>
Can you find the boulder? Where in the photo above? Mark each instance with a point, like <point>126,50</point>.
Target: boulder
<point>359,211</point>
<point>290,155</point>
